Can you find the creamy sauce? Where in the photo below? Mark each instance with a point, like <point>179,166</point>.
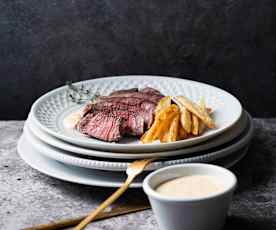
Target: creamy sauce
<point>72,120</point>
<point>193,186</point>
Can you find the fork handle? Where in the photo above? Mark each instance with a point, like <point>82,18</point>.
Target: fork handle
<point>105,204</point>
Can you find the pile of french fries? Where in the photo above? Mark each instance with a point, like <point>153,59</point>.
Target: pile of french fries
<point>178,121</point>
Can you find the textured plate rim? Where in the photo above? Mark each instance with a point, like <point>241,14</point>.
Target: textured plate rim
<point>142,147</point>
<point>98,183</point>
<point>105,154</point>
<point>121,166</point>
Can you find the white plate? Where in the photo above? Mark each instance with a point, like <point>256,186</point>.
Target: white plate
<point>111,165</point>
<point>91,176</point>
<point>223,138</point>
<point>50,110</point>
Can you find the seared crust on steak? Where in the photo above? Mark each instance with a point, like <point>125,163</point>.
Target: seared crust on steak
<point>120,92</point>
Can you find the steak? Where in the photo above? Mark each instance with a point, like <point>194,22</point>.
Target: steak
<point>102,126</point>
<point>148,113</point>
<point>124,100</point>
<point>133,123</point>
<point>135,96</point>
<point>150,91</point>
<point>122,112</point>
<point>145,109</point>
<point>120,92</point>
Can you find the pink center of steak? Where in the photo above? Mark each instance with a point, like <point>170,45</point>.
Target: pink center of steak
<point>133,123</point>
<point>102,126</point>
<point>122,112</point>
<point>144,109</point>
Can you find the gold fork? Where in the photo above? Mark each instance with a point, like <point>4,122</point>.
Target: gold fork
<point>134,169</point>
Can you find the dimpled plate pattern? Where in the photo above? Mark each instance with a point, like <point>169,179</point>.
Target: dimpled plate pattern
<point>93,177</point>
<point>221,139</point>
<point>49,110</point>
<point>121,165</point>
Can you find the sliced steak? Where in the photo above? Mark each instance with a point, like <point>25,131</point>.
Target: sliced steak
<point>113,106</point>
<point>148,113</point>
<point>150,90</point>
<point>133,123</point>
<point>124,100</point>
<point>122,112</point>
<point>133,120</point>
<point>102,126</point>
<point>120,92</point>
<point>154,98</point>
<point>145,109</point>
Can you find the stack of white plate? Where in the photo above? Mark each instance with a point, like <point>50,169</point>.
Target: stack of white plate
<point>51,148</point>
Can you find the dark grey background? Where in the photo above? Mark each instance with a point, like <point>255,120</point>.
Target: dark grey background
<point>228,43</point>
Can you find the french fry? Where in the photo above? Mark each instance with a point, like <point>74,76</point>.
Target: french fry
<point>195,109</point>
<point>186,120</point>
<point>164,103</point>
<point>160,123</point>
<point>201,128</point>
<point>202,107</point>
<point>165,136</point>
<point>195,126</point>
<point>148,136</point>
<point>177,122</point>
<point>173,131</point>
<point>182,134</point>
<point>166,119</point>
<point>165,112</point>
<point>164,126</point>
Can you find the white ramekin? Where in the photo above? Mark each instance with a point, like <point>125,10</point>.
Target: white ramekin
<point>206,213</point>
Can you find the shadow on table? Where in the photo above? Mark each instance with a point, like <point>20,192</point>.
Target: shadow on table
<point>256,168</point>
<point>96,194</point>
<point>234,222</point>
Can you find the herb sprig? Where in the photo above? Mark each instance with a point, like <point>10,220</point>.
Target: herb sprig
<point>80,94</point>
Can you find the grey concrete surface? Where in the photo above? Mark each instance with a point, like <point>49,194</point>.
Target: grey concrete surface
<point>28,197</point>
